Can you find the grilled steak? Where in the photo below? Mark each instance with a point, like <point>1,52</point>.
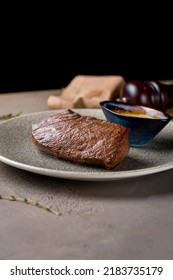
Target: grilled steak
<point>82,139</point>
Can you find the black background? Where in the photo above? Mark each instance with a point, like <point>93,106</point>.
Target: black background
<point>55,69</point>
<point>37,52</point>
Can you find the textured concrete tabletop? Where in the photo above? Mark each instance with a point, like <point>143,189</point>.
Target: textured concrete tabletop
<point>123,219</point>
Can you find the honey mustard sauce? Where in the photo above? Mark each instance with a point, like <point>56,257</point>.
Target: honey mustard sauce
<point>135,114</point>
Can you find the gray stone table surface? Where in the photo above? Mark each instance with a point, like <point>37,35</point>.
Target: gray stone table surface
<point>122,219</point>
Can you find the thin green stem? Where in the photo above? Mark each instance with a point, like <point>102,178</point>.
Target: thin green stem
<point>9,116</point>
<point>29,201</point>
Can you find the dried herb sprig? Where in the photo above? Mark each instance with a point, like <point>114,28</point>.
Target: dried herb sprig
<point>32,202</point>
<point>9,116</point>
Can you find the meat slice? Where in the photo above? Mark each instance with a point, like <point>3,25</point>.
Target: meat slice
<point>82,139</point>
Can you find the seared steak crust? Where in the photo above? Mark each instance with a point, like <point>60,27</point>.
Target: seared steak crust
<point>82,139</point>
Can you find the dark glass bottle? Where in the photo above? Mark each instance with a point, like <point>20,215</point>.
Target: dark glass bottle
<point>155,94</point>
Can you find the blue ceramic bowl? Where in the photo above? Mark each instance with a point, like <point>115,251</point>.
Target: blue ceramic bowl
<point>145,123</point>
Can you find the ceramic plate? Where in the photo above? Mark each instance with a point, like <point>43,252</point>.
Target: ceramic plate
<point>17,149</point>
